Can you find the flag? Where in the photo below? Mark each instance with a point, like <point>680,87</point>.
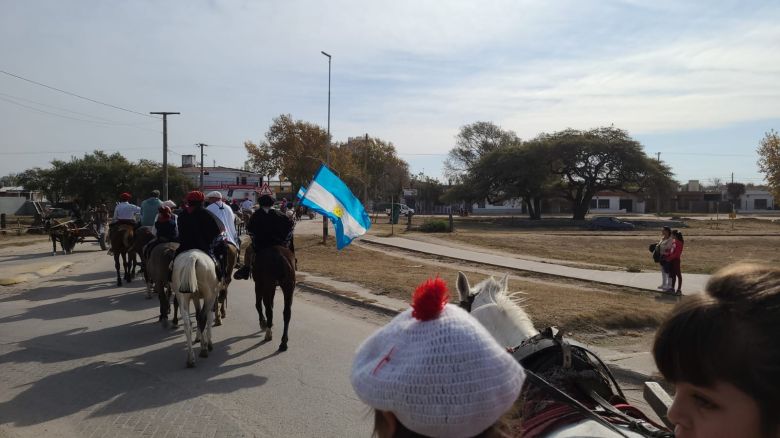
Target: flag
<point>301,192</point>
<point>329,196</point>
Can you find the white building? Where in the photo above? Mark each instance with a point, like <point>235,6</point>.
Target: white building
<point>756,200</point>
<point>616,202</point>
<point>232,183</point>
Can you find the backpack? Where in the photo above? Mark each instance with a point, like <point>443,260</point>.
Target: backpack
<point>656,250</point>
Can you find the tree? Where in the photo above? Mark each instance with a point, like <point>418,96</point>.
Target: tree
<point>516,171</point>
<point>606,158</point>
<point>294,148</point>
<point>472,142</point>
<point>10,180</point>
<point>769,161</point>
<point>374,167</point>
<point>429,192</point>
<point>734,191</point>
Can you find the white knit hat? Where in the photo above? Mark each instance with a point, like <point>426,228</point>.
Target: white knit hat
<point>215,194</point>
<point>437,369</point>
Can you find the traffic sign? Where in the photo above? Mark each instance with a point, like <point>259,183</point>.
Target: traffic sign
<point>265,190</point>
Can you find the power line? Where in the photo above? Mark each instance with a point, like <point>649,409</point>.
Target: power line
<point>78,152</point>
<point>77,95</point>
<point>73,118</point>
<point>71,111</point>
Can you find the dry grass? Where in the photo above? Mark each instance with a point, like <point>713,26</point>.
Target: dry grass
<point>572,307</point>
<point>706,248</point>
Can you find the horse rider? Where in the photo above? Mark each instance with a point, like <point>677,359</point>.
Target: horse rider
<point>198,228</point>
<point>124,213</point>
<point>165,229</point>
<point>223,212</point>
<point>268,227</point>
<point>149,208</point>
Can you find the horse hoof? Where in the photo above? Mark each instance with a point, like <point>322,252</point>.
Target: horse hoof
<point>204,352</point>
<point>263,324</point>
<point>211,346</point>
<point>217,323</point>
<point>119,282</point>
<point>190,364</point>
<point>268,335</point>
<point>164,322</point>
<point>283,347</point>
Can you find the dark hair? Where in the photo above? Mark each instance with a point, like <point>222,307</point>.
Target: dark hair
<point>667,229</point>
<point>265,201</point>
<point>495,431</point>
<point>678,235</point>
<point>728,334</point>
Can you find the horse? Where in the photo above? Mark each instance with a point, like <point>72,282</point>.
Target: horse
<point>273,266</point>
<point>158,268</point>
<point>570,391</point>
<point>195,279</point>
<point>121,241</point>
<point>231,256</point>
<point>141,237</point>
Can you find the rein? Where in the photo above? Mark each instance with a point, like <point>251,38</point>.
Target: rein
<point>539,352</point>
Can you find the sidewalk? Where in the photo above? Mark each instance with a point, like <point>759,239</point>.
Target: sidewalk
<point>692,283</point>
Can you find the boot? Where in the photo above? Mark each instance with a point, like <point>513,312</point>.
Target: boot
<point>242,273</point>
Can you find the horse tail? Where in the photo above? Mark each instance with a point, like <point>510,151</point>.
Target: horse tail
<point>188,277</point>
<point>127,238</point>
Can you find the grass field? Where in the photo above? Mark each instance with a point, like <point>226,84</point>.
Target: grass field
<point>586,311</point>
<point>706,248</point>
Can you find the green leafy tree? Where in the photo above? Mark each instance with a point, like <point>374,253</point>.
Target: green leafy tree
<point>261,159</point>
<point>517,171</point>
<point>734,191</point>
<point>429,192</point>
<point>606,158</point>
<point>374,168</point>
<point>472,142</point>
<point>769,161</point>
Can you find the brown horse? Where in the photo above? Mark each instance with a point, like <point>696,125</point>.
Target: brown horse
<point>221,303</point>
<point>158,270</point>
<point>141,237</point>
<point>121,241</point>
<point>273,266</point>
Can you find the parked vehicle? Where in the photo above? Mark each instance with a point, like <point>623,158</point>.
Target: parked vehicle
<point>609,223</point>
<point>405,210</point>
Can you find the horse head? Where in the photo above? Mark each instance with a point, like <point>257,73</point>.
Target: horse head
<point>499,310</point>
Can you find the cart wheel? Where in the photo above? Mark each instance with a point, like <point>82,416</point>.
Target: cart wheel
<point>102,243</point>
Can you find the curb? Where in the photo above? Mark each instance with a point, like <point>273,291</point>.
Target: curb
<point>348,300</point>
<point>617,370</point>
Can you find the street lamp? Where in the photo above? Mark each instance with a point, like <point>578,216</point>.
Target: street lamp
<point>327,153</point>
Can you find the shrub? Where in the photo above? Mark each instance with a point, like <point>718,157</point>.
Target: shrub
<point>436,226</point>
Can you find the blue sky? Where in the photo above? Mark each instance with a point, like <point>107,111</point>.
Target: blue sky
<point>696,81</point>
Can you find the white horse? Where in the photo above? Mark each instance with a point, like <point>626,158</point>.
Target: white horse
<point>195,278</point>
<point>501,313</point>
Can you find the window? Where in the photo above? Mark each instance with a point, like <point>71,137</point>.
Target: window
<point>604,204</point>
<point>593,204</point>
<point>237,180</point>
<point>759,204</point>
<point>243,180</point>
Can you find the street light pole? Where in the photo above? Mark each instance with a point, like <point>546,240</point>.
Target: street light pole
<point>165,149</point>
<point>327,153</point>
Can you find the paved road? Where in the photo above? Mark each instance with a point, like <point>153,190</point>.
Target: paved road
<point>81,357</point>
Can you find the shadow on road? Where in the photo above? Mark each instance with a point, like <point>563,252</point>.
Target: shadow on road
<point>75,307</point>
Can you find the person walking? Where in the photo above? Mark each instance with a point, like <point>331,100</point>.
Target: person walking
<point>435,371</point>
<point>664,248</point>
<point>675,272</point>
<point>149,208</point>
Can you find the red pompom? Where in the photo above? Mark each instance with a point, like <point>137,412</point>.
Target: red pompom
<point>429,299</point>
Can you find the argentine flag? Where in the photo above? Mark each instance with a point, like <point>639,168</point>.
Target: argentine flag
<point>329,196</point>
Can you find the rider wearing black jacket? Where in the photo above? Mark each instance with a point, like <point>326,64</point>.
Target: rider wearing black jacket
<point>268,227</point>
<point>198,228</point>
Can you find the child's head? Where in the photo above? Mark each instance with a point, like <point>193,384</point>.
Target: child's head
<point>435,371</point>
<point>721,345</point>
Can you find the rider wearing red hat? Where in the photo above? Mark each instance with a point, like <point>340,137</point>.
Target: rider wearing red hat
<point>198,228</point>
<point>125,212</point>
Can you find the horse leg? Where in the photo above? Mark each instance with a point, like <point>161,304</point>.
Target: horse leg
<point>159,287</point>
<point>259,304</point>
<point>268,301</point>
<point>116,265</point>
<point>53,244</point>
<point>215,308</point>
<point>223,301</point>
<point>209,320</point>
<point>185,318</point>
<point>198,334</point>
<point>175,322</point>
<point>287,313</point>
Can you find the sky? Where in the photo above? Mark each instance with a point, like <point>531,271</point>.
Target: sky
<point>696,82</point>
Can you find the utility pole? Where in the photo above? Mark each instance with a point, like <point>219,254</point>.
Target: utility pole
<point>658,191</point>
<point>201,146</point>
<point>327,153</point>
<point>365,173</point>
<point>165,149</point>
